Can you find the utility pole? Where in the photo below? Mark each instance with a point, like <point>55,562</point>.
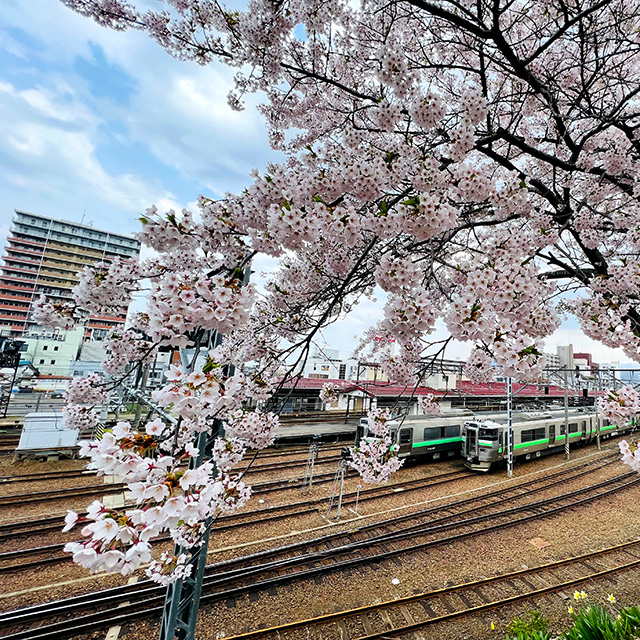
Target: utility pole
<point>183,596</point>
<point>566,416</point>
<point>509,442</point>
<point>143,386</point>
<point>182,600</point>
<point>595,406</point>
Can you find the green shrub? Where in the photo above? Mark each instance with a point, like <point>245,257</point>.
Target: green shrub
<point>535,628</point>
<point>530,635</point>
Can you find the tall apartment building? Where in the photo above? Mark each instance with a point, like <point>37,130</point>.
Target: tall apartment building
<point>42,256</point>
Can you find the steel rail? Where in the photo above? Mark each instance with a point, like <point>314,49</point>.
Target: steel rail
<point>18,617</point>
<point>430,595</point>
<point>261,515</point>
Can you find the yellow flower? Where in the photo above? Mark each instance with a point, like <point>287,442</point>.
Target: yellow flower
<point>493,626</point>
<point>576,595</point>
<point>570,609</point>
<point>583,595</point>
<point>611,598</point>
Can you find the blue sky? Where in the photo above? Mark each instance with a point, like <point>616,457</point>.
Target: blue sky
<point>103,124</point>
<point>106,123</point>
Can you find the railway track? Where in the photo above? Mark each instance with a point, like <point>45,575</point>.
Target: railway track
<point>91,490</point>
<point>412,614</point>
<point>52,554</point>
<point>78,473</point>
<point>100,489</point>
<point>308,560</point>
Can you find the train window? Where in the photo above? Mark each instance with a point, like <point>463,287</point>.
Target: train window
<point>573,427</point>
<point>529,435</point>
<point>562,429</point>
<point>405,436</point>
<point>452,431</point>
<point>488,434</point>
<point>432,433</point>
<point>584,425</point>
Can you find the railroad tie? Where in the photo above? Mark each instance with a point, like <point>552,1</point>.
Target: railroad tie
<point>386,619</point>
<point>406,614</point>
<point>114,632</point>
<point>366,623</point>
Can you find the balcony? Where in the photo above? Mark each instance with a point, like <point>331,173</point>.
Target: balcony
<point>25,241</point>
<point>6,316</point>
<point>30,281</point>
<point>6,304</point>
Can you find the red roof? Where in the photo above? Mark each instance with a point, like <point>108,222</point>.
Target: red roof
<point>465,388</point>
<point>318,383</point>
<point>386,390</point>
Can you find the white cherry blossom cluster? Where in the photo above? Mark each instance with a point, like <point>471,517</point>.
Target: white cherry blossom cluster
<point>375,460</point>
<point>378,421</point>
<point>619,405</point>
<point>168,232</point>
<point>80,417</point>
<point>479,366</point>
<point>396,274</point>
<point>166,497</point>
<point>409,316</point>
<point>54,315</point>
<point>429,404</point>
<point>631,454</point>
<point>88,390</point>
<point>126,347</point>
<point>257,430</point>
<point>330,392</point>
<point>169,568</point>
<point>106,288</point>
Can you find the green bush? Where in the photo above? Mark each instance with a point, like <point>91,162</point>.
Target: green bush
<point>535,628</point>
<point>530,635</point>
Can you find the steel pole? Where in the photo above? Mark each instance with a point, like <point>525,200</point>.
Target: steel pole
<point>566,416</point>
<point>595,405</point>
<point>342,468</point>
<point>509,429</point>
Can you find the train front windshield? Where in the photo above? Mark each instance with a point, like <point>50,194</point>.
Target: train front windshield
<point>489,434</point>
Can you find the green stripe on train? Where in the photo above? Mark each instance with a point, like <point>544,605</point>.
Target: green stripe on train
<point>429,443</point>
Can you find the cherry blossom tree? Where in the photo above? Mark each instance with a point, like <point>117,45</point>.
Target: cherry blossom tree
<point>476,160</point>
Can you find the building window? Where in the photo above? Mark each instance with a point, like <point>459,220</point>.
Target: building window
<point>343,372</point>
<point>53,362</point>
<point>41,361</point>
<point>45,347</point>
<point>55,348</point>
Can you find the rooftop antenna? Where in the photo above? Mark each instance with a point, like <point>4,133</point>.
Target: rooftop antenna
<point>83,215</point>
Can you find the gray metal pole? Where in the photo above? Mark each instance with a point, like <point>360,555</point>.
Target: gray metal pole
<point>566,416</point>
<point>509,429</point>
<point>143,386</point>
<point>595,404</point>
<point>342,469</point>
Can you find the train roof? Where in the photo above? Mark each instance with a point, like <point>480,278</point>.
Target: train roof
<point>529,417</point>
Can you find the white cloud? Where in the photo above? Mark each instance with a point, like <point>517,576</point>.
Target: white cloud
<point>57,168</point>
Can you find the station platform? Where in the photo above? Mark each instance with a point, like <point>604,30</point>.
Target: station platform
<point>302,433</point>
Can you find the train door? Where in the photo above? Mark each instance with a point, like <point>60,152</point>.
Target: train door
<point>552,434</point>
<point>584,429</point>
<point>405,440</point>
<point>470,440</point>
<point>362,430</point>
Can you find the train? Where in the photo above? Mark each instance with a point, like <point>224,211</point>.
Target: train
<point>481,439</point>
